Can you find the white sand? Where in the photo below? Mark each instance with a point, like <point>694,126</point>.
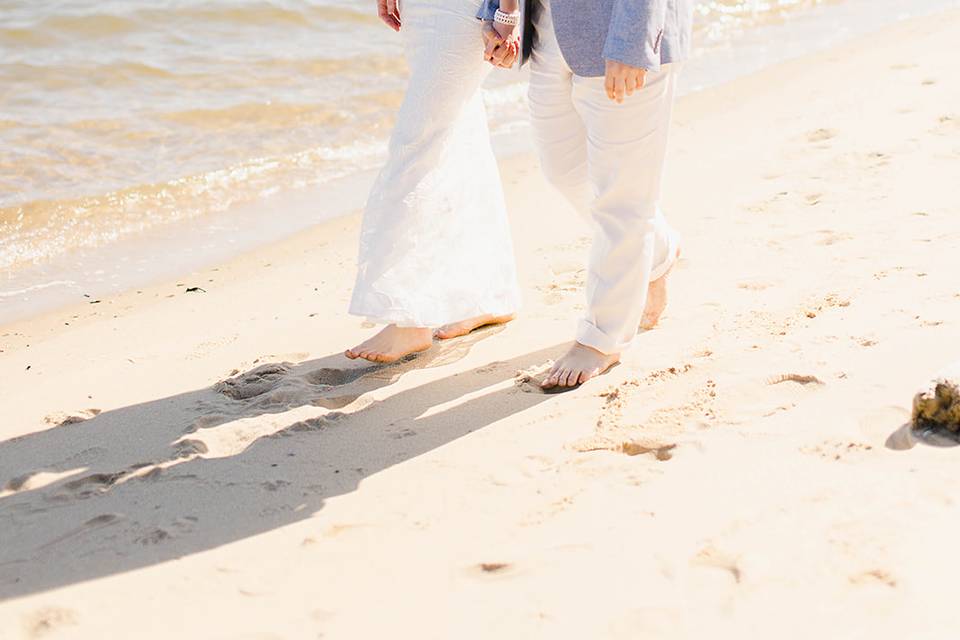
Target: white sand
<point>774,493</point>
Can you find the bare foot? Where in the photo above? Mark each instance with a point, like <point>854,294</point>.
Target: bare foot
<point>656,299</point>
<point>392,343</point>
<point>577,366</point>
<point>462,328</point>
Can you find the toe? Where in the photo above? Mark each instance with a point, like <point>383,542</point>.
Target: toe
<point>556,378</point>
<point>551,380</point>
<point>350,353</point>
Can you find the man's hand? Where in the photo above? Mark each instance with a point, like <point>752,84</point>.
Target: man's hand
<point>498,51</point>
<point>622,80</point>
<point>389,13</point>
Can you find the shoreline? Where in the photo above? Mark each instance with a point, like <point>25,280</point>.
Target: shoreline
<point>739,467</point>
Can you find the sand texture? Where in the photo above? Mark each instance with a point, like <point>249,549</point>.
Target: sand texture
<point>207,464</point>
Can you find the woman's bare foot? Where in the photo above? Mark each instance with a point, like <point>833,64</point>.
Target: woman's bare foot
<point>392,343</point>
<point>577,366</point>
<point>656,299</point>
<point>462,328</point>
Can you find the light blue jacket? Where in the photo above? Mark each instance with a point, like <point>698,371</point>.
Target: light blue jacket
<point>640,33</point>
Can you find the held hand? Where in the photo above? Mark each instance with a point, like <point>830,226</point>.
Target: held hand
<point>499,51</point>
<point>506,31</point>
<point>389,12</point>
<point>622,80</point>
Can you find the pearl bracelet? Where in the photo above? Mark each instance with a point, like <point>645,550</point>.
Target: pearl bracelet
<point>509,19</point>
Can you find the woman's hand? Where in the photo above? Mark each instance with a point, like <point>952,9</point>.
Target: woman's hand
<point>389,12</point>
<point>498,51</point>
<point>509,33</point>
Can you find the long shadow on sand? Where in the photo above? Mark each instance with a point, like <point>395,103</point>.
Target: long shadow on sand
<point>139,485</point>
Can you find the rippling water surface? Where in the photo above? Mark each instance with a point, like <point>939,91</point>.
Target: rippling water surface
<point>118,115</point>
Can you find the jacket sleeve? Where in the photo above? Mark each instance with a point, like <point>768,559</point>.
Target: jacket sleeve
<point>635,33</point>
<point>488,9</point>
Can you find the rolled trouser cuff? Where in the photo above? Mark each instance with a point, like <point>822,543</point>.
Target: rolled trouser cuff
<point>663,268</point>
<point>589,335</point>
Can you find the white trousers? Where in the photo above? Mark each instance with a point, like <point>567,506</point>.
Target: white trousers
<point>435,245</point>
<point>607,159</point>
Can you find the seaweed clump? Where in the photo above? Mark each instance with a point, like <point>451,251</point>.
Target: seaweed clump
<point>939,405</point>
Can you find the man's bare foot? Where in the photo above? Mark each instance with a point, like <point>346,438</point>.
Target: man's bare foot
<point>392,343</point>
<point>656,299</point>
<point>462,328</point>
<point>577,366</point>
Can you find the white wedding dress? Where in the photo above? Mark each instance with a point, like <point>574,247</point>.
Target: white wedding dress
<point>435,244</point>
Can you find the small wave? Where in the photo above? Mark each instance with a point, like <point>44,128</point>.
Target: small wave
<point>19,37</point>
<point>38,287</point>
<point>52,77</point>
<point>717,19</point>
<point>258,115</point>
<point>258,14</point>
<point>90,25</point>
<point>42,229</point>
<point>252,14</point>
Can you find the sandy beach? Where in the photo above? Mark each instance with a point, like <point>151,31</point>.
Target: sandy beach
<point>197,459</point>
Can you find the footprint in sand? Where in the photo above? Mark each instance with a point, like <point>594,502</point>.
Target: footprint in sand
<point>303,386</point>
<point>829,301</point>
<point>207,421</point>
<point>859,161</point>
<point>188,447</point>
<point>838,450</point>
<point>874,576</point>
<point>710,557</point>
<point>156,536</point>
<point>830,237</point>
<point>947,125</point>
<point>633,429</point>
<point>64,419</point>
<point>91,485</point>
<point>752,399</point>
<point>794,377</point>
<point>276,386</point>
<point>310,425</point>
<point>49,619</point>
<point>328,377</point>
<point>528,380</point>
<point>562,287</point>
<point>274,485</point>
<point>253,383</point>
<point>658,449</point>
<point>754,286</point>
<point>91,525</point>
<point>821,135</point>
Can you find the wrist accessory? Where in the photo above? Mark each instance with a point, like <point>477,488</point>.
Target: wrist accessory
<point>508,19</point>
